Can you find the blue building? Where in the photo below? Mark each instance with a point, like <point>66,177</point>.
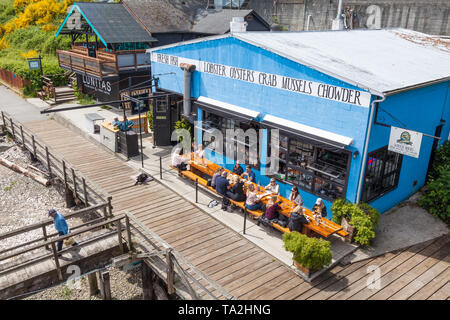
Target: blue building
<point>334,96</point>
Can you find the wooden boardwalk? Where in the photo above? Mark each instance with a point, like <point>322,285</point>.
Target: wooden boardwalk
<point>239,266</point>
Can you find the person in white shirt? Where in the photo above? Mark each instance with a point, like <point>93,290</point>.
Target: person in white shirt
<point>273,187</point>
<point>295,196</point>
<point>178,161</point>
<point>199,154</point>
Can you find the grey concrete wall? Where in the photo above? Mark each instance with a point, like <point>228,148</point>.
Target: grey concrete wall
<point>428,16</point>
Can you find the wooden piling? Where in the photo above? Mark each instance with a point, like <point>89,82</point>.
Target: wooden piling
<point>93,284</point>
<point>147,282</point>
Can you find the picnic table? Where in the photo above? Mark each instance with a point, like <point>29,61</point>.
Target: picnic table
<point>325,228</point>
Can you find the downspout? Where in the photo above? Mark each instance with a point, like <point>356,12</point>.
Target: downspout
<point>188,69</point>
<point>366,147</point>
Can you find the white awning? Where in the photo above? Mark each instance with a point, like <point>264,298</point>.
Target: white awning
<point>308,132</point>
<point>228,108</point>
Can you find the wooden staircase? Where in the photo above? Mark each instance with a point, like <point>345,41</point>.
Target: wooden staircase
<point>54,95</point>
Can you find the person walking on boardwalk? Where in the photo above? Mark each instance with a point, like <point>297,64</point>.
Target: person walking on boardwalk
<point>60,225</point>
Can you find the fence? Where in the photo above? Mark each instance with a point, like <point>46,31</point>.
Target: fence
<point>13,79</point>
<point>76,184</point>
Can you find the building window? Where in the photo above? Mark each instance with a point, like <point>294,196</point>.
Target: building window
<point>214,121</point>
<point>312,168</point>
<point>382,173</point>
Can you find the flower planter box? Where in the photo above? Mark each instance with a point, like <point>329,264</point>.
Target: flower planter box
<point>306,271</point>
<point>349,228</point>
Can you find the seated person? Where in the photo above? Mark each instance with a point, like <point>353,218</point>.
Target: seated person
<point>237,190</point>
<point>125,125</point>
<point>273,186</point>
<point>320,208</point>
<point>115,122</point>
<point>253,202</point>
<point>222,186</point>
<point>237,169</point>
<point>297,219</point>
<point>217,173</point>
<point>178,161</point>
<point>199,154</point>
<point>249,174</point>
<point>295,196</point>
<point>273,208</point>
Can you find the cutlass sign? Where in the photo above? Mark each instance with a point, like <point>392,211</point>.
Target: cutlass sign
<point>404,141</point>
<point>316,89</point>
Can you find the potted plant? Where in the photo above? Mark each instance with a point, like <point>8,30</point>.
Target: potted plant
<point>309,254</point>
<point>359,220</point>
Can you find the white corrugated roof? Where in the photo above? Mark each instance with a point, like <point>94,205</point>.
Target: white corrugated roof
<point>377,60</point>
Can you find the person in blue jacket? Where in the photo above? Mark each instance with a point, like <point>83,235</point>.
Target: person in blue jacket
<point>125,125</point>
<point>60,225</point>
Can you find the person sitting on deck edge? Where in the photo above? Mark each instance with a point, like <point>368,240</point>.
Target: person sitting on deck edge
<point>60,225</point>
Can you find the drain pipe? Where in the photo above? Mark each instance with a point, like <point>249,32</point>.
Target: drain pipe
<point>188,69</point>
<point>366,147</point>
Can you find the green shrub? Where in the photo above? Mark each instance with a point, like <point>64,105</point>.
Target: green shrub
<point>440,162</point>
<point>6,11</point>
<point>436,198</point>
<point>150,117</point>
<point>361,216</point>
<point>309,252</point>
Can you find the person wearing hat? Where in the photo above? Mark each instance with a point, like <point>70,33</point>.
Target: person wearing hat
<point>60,225</point>
<point>320,208</point>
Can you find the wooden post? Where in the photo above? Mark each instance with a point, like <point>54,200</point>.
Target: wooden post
<point>49,168</point>
<point>3,122</point>
<point>23,137</point>
<point>128,227</point>
<point>147,282</point>
<point>12,129</point>
<point>74,183</point>
<point>119,235</point>
<point>105,285</point>
<point>170,272</point>
<point>93,284</point>
<point>86,203</point>
<point>160,167</point>
<point>196,190</point>
<point>110,207</point>
<point>44,231</point>
<point>34,147</point>
<point>70,200</point>
<point>55,256</point>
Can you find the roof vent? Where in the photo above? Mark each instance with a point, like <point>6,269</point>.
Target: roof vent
<point>238,25</point>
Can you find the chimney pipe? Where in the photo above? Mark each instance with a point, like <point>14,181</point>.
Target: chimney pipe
<point>188,69</point>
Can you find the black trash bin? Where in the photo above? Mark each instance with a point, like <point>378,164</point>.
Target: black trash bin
<point>128,143</point>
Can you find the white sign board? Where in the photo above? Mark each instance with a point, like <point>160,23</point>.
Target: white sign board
<point>301,86</point>
<point>404,141</point>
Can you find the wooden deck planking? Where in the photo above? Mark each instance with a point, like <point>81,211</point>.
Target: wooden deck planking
<point>431,287</point>
<point>442,293</point>
<point>232,261</point>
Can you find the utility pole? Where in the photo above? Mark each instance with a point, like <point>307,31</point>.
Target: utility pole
<point>338,23</point>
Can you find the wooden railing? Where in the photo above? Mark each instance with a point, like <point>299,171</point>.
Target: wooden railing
<point>48,240</point>
<point>81,186</point>
<point>165,261</point>
<point>105,63</point>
